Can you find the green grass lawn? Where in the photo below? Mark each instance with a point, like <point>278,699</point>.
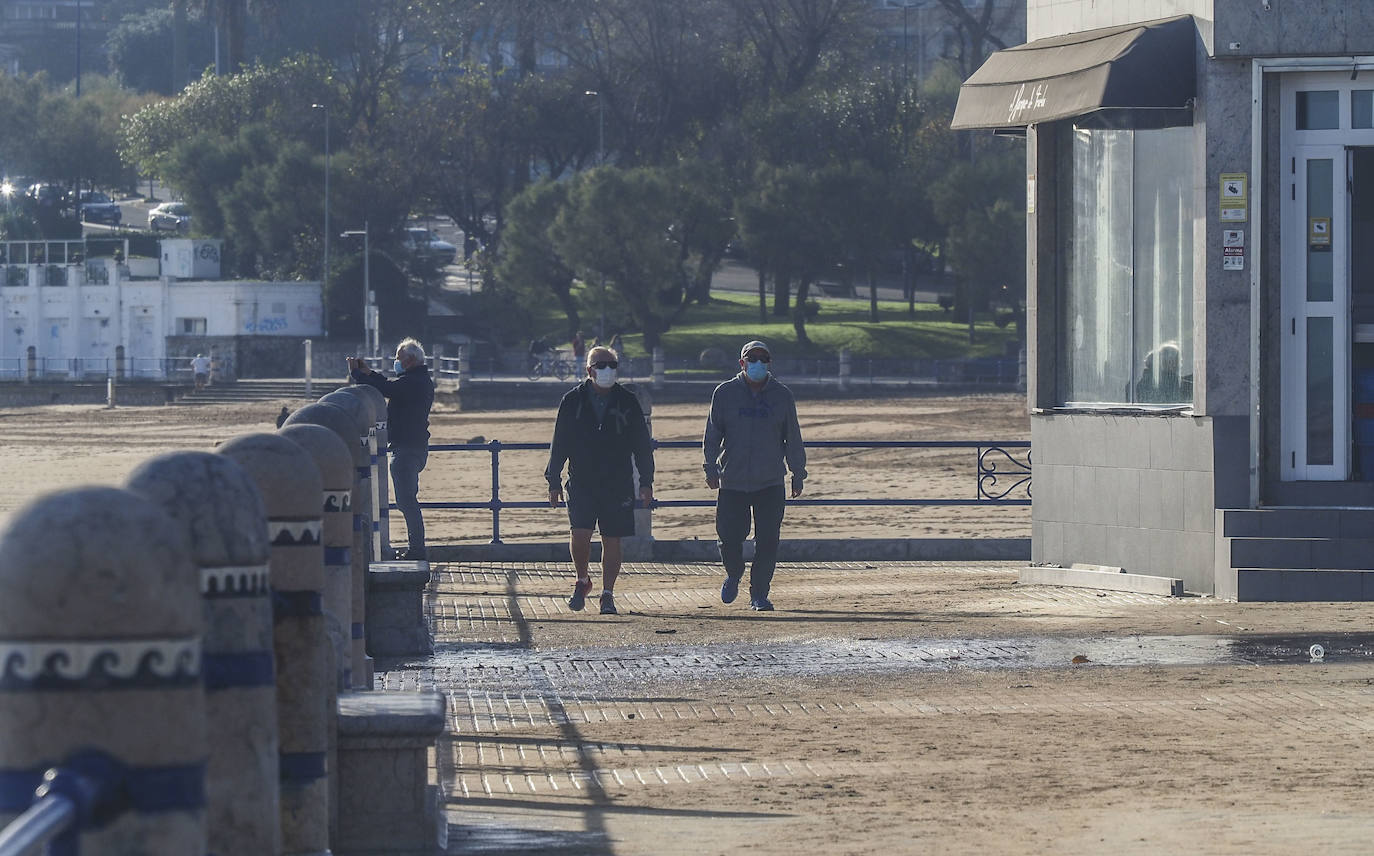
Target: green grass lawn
<point>731,319</point>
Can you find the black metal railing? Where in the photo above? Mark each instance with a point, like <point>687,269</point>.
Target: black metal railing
<point>1000,476</point>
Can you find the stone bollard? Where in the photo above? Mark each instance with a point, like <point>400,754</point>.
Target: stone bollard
<point>290,485</point>
<point>345,427</point>
<point>844,368</point>
<point>335,461</point>
<point>361,413</point>
<point>377,439</point>
<point>100,671</point>
<point>658,368</point>
<point>388,805</point>
<point>218,506</point>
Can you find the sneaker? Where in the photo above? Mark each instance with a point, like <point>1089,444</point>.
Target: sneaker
<point>761,604</point>
<point>579,595</point>
<point>608,604</point>
<point>729,590</point>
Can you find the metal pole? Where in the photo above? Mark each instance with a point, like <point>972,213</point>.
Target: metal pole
<point>308,347</point>
<point>495,491</point>
<point>369,333</point>
<point>906,73</point>
<point>324,274</point>
<point>78,57</point>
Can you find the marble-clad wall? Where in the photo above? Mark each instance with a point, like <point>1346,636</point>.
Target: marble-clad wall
<point>1046,18</point>
<point>1293,27</point>
<point>1136,492</point>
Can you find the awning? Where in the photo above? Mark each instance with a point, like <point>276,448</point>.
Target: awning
<point>1134,76</point>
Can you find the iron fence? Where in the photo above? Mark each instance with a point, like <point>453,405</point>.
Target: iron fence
<point>1000,475</point>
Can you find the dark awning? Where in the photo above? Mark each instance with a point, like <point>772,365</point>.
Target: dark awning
<point>1134,76</point>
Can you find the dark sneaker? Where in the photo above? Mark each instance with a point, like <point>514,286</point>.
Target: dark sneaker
<point>729,590</point>
<point>608,604</point>
<point>579,595</point>
<point>761,604</point>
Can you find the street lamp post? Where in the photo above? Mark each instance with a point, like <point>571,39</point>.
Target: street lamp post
<point>371,320</point>
<point>78,54</point>
<point>906,53</point>
<point>600,127</point>
<point>324,274</point>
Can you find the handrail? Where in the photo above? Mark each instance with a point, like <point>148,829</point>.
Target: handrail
<point>994,463</point>
<point>40,826</point>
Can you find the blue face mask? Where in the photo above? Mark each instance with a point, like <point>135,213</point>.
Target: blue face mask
<point>398,367</point>
<point>755,371</point>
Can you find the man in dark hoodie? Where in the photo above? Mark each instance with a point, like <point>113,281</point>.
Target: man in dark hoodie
<point>600,427</point>
<point>750,432</point>
<point>409,398</point>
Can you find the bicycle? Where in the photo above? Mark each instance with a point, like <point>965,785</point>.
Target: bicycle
<point>549,365</point>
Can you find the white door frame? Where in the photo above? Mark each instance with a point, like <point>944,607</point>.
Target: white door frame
<point>1297,149</point>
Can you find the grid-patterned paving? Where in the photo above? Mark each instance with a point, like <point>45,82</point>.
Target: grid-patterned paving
<point>541,722</point>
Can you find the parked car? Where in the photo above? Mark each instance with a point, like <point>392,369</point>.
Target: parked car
<point>97,207</point>
<point>428,247</point>
<point>49,196</point>
<point>170,217</point>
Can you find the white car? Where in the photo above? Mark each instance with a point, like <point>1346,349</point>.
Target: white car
<point>170,217</point>
<point>427,246</point>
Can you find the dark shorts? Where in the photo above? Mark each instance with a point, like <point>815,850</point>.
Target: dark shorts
<point>616,514</point>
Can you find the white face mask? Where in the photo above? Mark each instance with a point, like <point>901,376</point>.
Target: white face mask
<point>398,367</point>
<point>603,378</point>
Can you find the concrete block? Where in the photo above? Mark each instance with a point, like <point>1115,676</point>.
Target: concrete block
<point>387,803</point>
<point>1199,510</point>
<point>1108,580</point>
<point>396,625</point>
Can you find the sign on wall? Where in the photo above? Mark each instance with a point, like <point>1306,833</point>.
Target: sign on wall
<point>1235,197</point>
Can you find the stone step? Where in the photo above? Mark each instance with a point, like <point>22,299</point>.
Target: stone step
<point>1356,554</point>
<point>1304,584</point>
<point>1297,522</point>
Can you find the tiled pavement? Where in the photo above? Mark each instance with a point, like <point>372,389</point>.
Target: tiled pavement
<point>532,729</point>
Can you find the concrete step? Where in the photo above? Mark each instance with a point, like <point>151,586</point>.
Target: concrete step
<point>1304,584</point>
<point>1298,523</point>
<point>1355,554</point>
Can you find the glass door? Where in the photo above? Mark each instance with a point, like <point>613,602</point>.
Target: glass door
<point>1316,332</point>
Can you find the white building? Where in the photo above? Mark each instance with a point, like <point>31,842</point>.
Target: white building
<point>65,317</point>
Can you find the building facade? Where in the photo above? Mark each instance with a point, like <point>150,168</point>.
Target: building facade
<point>69,317</point>
<point>1200,200</point>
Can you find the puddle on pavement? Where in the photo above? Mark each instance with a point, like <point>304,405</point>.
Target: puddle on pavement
<point>479,664</point>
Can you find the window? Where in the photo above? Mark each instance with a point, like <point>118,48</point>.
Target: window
<point>191,326</point>
<point>1126,277</point>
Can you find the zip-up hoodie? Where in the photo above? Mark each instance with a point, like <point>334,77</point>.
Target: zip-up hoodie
<point>749,435</point>
<point>598,452</point>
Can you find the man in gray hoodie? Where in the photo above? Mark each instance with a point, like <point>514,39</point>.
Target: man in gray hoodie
<point>750,432</point>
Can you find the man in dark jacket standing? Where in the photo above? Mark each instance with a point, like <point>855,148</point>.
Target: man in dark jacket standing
<point>751,430</point>
<point>600,427</point>
<point>409,398</point>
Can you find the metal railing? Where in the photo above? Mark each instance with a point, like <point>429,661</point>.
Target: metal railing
<point>975,371</point>
<point>999,477</point>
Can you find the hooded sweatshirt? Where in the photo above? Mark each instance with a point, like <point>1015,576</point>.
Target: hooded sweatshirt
<point>749,435</point>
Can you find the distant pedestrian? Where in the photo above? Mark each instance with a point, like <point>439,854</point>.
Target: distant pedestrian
<point>200,367</point>
<point>409,398</point>
<point>579,346</point>
<point>751,431</point>
<point>282,417</point>
<point>600,427</point>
